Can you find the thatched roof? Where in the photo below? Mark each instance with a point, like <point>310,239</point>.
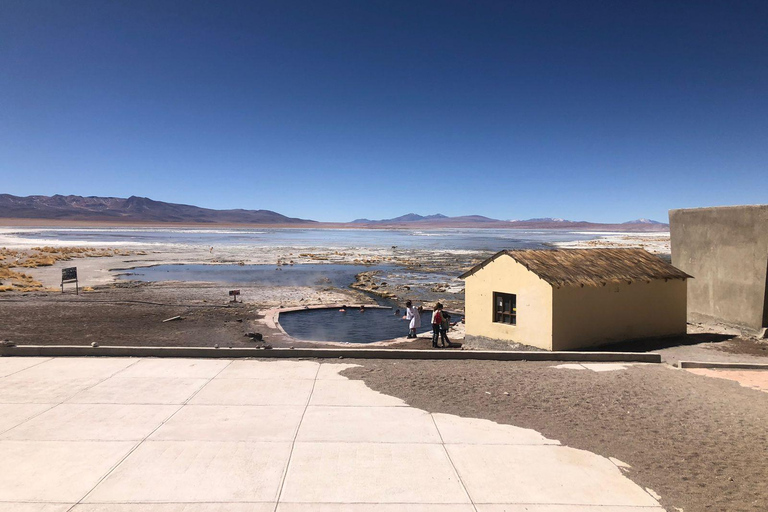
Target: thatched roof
<point>590,267</point>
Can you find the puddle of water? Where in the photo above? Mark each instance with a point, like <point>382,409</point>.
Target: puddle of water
<point>351,327</point>
<point>339,276</point>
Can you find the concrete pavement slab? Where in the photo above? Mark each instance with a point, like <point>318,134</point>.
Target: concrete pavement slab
<point>35,507</point>
<point>79,367</point>
<point>754,379</point>
<point>147,390</point>
<point>368,424</point>
<point>254,392</point>
<point>175,507</point>
<point>605,367</point>
<point>595,367</point>
<point>93,422</point>
<point>570,366</point>
<point>12,415</point>
<point>55,471</point>
<point>178,368</point>
<point>371,473</point>
<point>232,423</point>
<point>9,365</point>
<point>246,369</point>
<point>373,507</point>
<point>331,371</point>
<point>543,475</point>
<point>193,471</point>
<point>21,389</point>
<point>456,430</point>
<point>350,393</point>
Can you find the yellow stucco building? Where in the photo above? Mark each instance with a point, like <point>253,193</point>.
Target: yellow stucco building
<point>573,298</point>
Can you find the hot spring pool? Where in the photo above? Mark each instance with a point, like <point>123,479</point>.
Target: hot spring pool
<point>376,324</point>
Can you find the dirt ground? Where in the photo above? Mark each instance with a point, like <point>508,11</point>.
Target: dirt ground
<point>697,441</point>
<point>133,314</point>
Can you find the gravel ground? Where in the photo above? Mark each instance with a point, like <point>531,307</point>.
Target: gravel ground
<point>697,441</point>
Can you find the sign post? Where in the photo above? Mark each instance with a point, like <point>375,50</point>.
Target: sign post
<point>69,275</point>
<point>234,294</point>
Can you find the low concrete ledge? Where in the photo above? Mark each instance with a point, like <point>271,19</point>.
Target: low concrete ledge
<point>725,366</point>
<point>353,353</point>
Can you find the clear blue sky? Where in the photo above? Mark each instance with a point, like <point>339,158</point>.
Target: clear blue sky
<point>334,110</point>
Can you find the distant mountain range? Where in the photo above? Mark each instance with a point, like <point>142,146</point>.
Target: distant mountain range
<point>478,221</point>
<point>143,210</point>
<point>438,217</point>
<point>133,209</point>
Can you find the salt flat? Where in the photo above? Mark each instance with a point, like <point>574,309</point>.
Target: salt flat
<point>173,435</point>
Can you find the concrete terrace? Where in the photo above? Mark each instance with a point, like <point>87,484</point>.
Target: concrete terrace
<point>173,435</point>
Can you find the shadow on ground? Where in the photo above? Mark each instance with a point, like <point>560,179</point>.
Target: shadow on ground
<point>654,344</point>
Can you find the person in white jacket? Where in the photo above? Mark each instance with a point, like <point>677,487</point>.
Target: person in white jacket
<point>412,314</point>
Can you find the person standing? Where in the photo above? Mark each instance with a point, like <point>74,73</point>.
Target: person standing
<point>437,320</point>
<point>412,314</point>
<point>444,326</point>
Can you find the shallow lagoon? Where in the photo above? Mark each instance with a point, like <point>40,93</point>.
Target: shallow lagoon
<point>436,239</point>
<point>338,276</point>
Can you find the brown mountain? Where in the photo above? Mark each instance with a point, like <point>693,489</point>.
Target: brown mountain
<point>132,209</point>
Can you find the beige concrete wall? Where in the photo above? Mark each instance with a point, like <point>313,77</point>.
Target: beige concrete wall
<point>725,249</point>
<point>534,303</point>
<point>592,316</point>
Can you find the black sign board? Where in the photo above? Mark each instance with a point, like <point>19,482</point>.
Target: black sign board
<point>234,294</point>
<point>69,275</point>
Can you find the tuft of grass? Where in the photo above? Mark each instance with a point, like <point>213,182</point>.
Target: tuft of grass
<point>13,280</point>
<point>18,280</point>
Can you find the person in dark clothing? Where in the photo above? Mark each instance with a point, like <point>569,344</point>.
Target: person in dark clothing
<point>437,320</point>
<point>444,326</point>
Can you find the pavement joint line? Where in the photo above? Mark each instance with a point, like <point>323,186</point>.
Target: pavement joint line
<point>320,353</point>
<point>721,365</point>
<point>142,441</point>
<point>455,470</point>
<point>28,367</point>
<point>293,443</point>
<point>62,402</point>
<point>52,406</point>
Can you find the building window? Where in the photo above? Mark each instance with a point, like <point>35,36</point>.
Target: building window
<point>505,308</point>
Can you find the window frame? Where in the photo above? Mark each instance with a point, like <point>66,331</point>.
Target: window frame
<point>500,313</point>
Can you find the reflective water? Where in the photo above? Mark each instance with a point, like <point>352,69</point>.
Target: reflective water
<point>351,327</point>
